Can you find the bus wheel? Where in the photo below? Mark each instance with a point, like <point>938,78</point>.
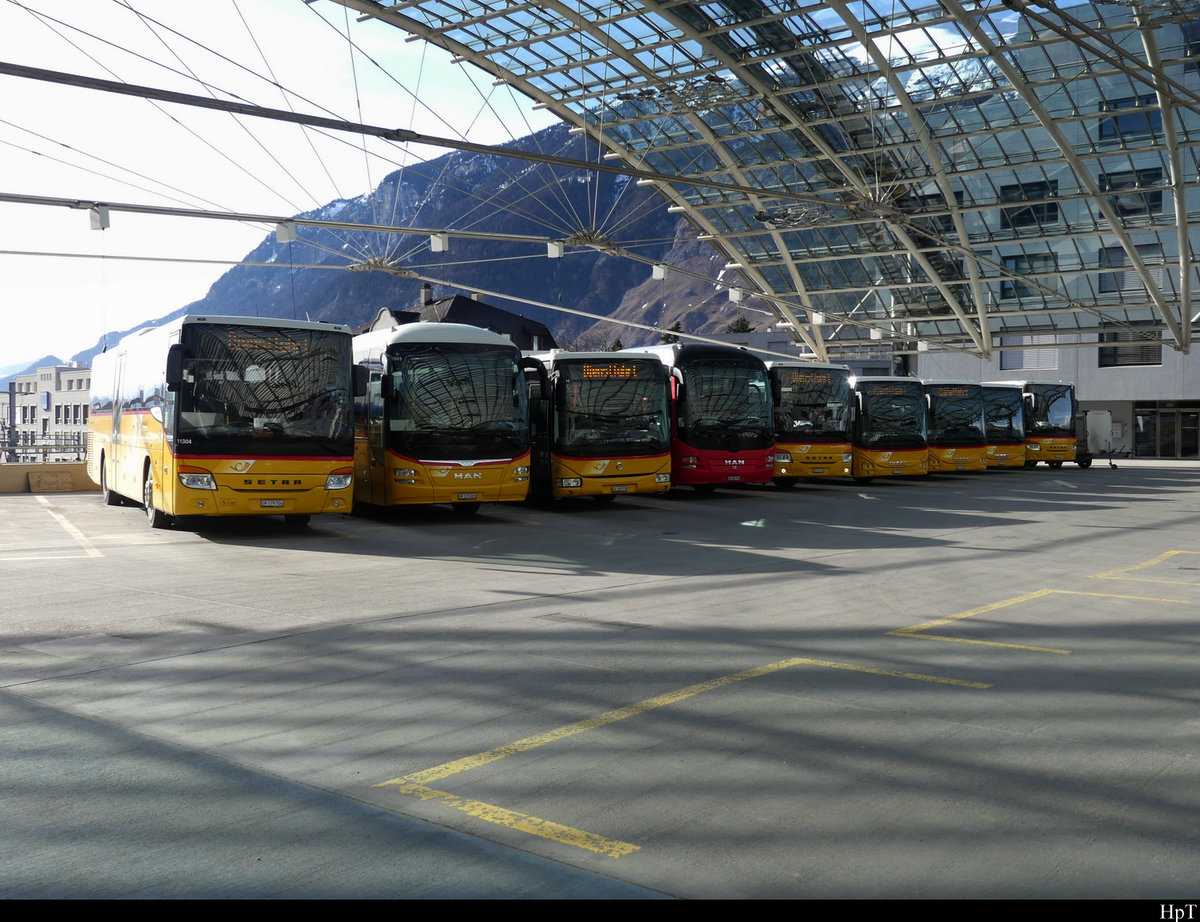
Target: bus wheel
<point>862,479</point>
<point>1031,464</point>
<point>465,508</point>
<point>1084,463</point>
<point>784,483</point>
<point>1054,465</point>
<point>297,520</point>
<point>110,498</point>
<point>155,517</point>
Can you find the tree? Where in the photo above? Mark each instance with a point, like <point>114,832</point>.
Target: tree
<point>616,345</point>
<point>668,337</point>
<point>741,325</point>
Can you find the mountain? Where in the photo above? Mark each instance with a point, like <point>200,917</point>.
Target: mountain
<point>25,368</point>
<point>504,198</point>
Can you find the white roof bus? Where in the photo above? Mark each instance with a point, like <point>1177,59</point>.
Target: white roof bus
<point>957,436</point>
<point>444,420</point>
<point>601,427</point>
<point>890,428</point>
<point>1050,410</point>
<point>1004,417</point>
<point>214,416</point>
<point>722,430</point>
<point>813,412</point>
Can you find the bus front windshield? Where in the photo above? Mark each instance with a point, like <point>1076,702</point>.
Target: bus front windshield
<point>1005,415</point>
<point>457,401</point>
<point>613,406</point>
<point>892,415</point>
<point>1053,411</point>
<point>813,403</point>
<point>955,414</point>
<point>265,391</point>
<point>727,406</point>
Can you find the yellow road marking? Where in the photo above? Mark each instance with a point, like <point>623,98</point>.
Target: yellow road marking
<point>416,784</point>
<point>441,772</point>
<point>535,826</point>
<point>922,630</point>
<point>1166,555</point>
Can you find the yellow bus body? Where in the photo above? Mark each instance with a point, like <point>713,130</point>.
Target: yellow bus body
<point>960,458</point>
<point>610,476</point>
<point>1005,455</point>
<point>808,459</point>
<point>408,482</point>
<point>908,462</point>
<point>1052,450</point>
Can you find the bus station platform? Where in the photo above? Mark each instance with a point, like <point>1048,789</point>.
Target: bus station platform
<point>964,686</point>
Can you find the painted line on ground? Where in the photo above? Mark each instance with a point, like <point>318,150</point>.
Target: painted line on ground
<point>922,631</point>
<point>80,538</point>
<point>417,783</point>
<point>1153,561</point>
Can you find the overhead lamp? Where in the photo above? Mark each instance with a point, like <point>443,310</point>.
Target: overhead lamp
<point>658,271</point>
<point>99,217</point>
<point>439,243</point>
<point>736,295</point>
<point>816,318</point>
<point>554,249</point>
<point>876,333</point>
<point>285,232</point>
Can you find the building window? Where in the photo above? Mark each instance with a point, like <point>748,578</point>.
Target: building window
<point>1191,46</point>
<point>1142,119</point>
<point>1039,264</point>
<point>1117,258</point>
<point>1018,359</point>
<point>1040,207</point>
<point>1130,347</point>
<point>1128,197</point>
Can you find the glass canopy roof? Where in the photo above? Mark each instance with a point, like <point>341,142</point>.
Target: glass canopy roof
<point>948,175</point>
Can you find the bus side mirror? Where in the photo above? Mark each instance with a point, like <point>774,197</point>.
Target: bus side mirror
<point>776,391</point>
<point>387,385</point>
<point>529,363</point>
<point>174,367</point>
<point>360,378</point>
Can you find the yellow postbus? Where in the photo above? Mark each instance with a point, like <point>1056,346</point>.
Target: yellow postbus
<point>957,438</point>
<point>890,428</point>
<point>1004,413</point>
<point>813,410</point>
<point>601,425</point>
<point>1050,411</point>
<point>444,419</point>
<point>212,416</point>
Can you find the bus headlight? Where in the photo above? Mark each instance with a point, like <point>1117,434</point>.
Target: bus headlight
<point>524,471</point>
<point>569,482</point>
<point>783,457</point>
<point>196,478</point>
<point>340,479</point>
<point>1032,446</point>
<point>403,472</point>
<point>662,478</point>
<point>847,458</point>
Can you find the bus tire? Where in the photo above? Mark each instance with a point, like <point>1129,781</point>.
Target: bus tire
<point>1084,463</point>
<point>465,508</point>
<point>1054,465</point>
<point>862,479</point>
<point>1031,464</point>
<point>110,498</point>
<point>156,517</point>
<point>296,519</point>
<point>785,483</point>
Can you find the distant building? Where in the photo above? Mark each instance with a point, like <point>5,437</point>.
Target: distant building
<point>48,407</point>
<point>527,335</point>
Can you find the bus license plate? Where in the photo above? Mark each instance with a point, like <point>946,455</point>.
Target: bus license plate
<point>818,470</point>
<point>270,504</point>
<point>620,489</point>
<point>734,477</point>
<point>468,496</point>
